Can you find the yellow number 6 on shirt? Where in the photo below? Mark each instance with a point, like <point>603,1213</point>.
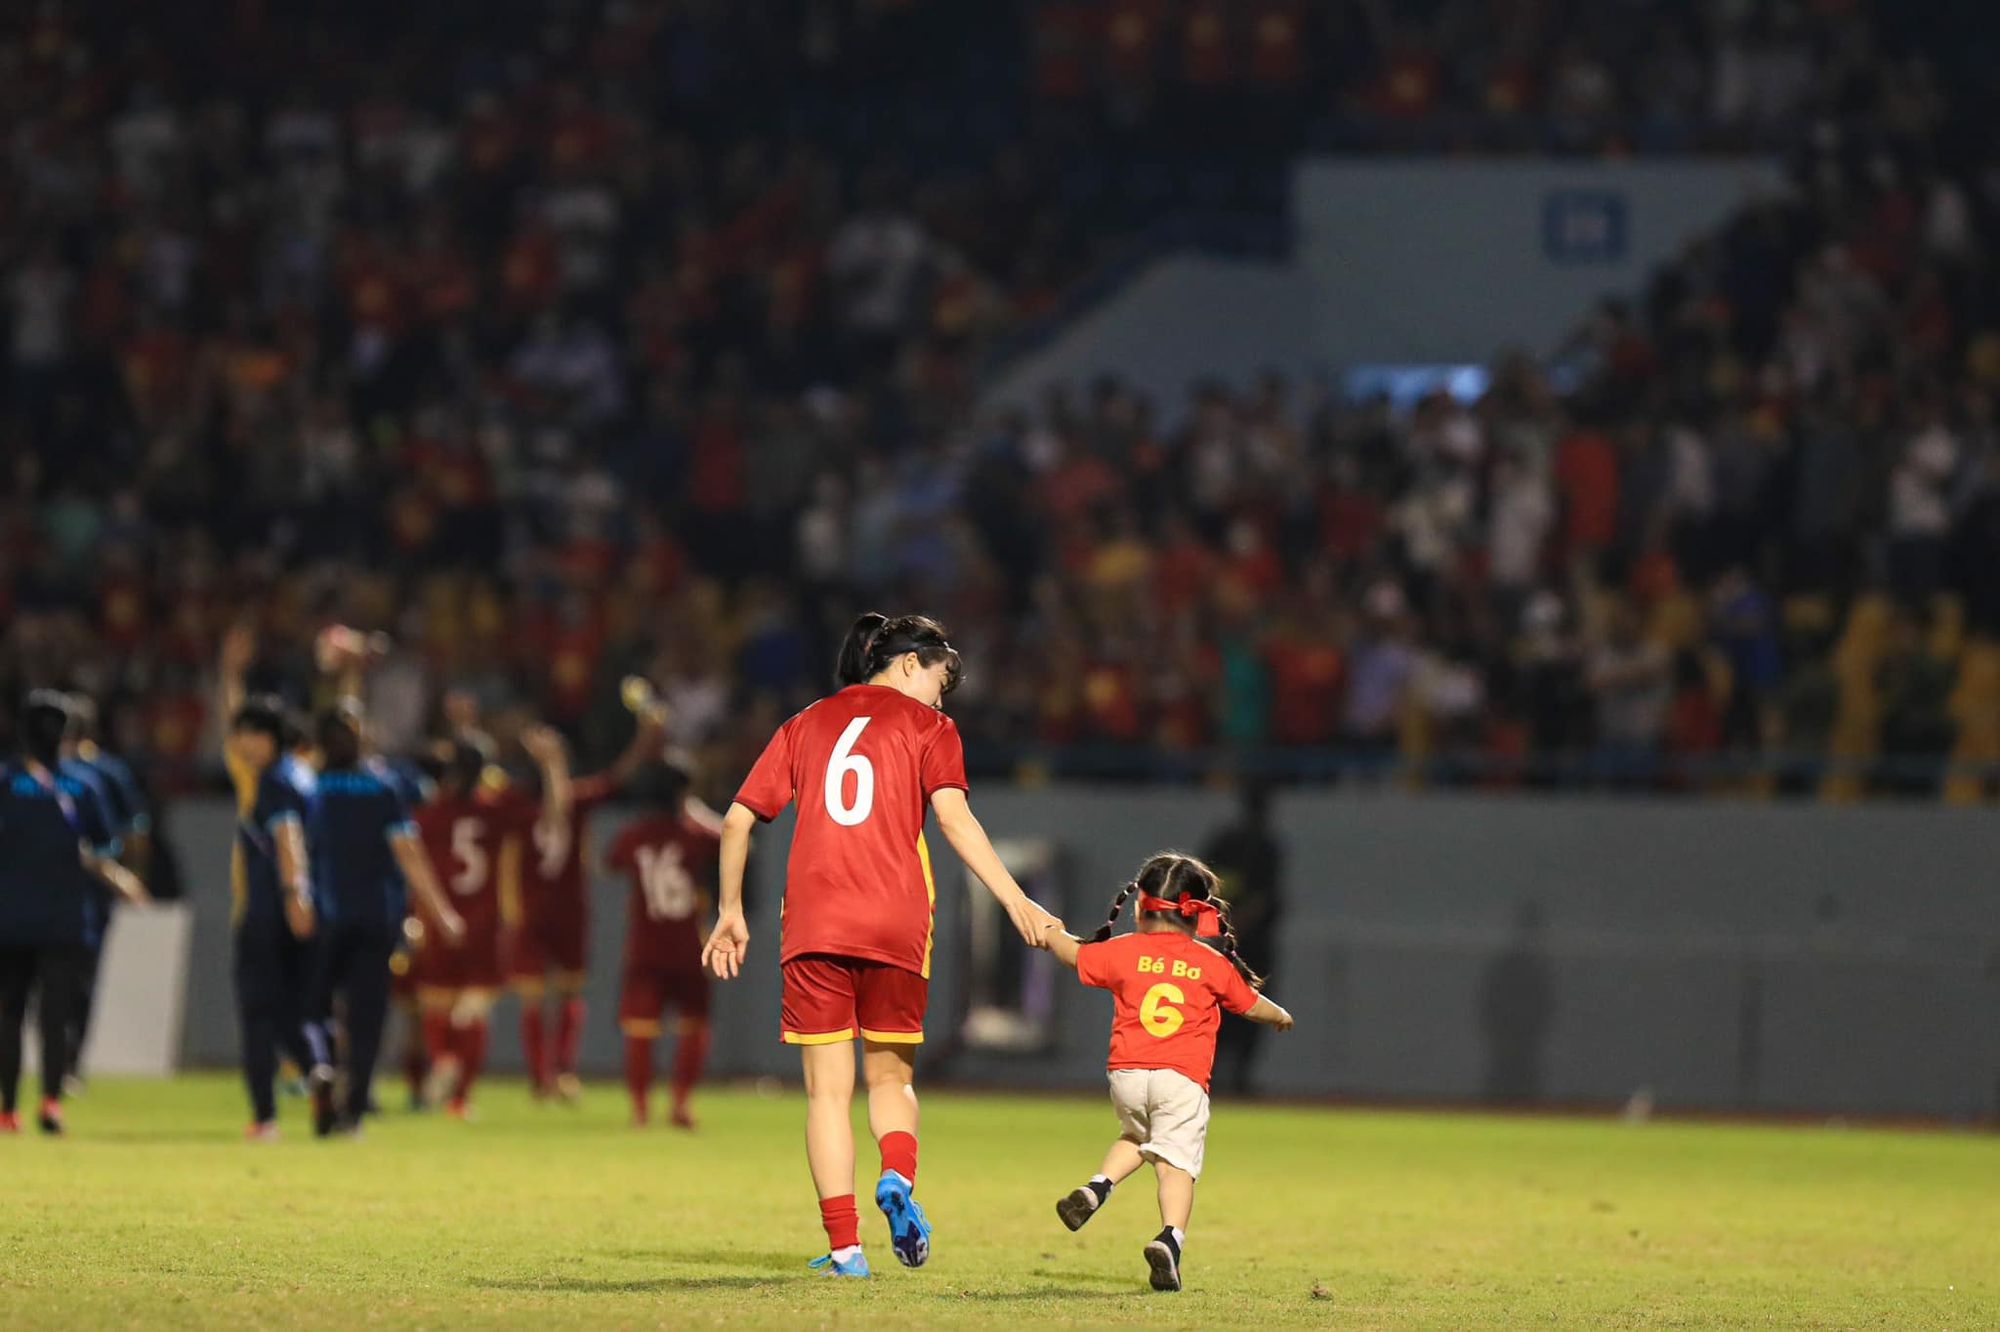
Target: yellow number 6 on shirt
<point>1156,1013</point>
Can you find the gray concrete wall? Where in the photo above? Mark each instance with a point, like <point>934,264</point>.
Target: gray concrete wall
<point>1722,955</point>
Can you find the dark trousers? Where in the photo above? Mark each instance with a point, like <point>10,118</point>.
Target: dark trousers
<point>353,971</point>
<point>274,976</point>
<point>86,997</point>
<point>54,974</point>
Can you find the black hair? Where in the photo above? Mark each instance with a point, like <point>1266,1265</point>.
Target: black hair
<point>82,715</point>
<point>461,763</point>
<point>293,732</point>
<point>44,722</point>
<point>263,714</point>
<point>338,731</point>
<point>1175,876</point>
<point>662,784</point>
<point>875,640</point>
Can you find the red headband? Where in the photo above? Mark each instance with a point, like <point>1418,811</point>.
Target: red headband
<point>1207,920</point>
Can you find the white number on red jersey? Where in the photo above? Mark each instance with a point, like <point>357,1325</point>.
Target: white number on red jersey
<point>471,857</point>
<point>843,761</point>
<point>668,887</point>
<point>552,846</point>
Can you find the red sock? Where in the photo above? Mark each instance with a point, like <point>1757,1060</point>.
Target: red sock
<point>414,1062</point>
<point>569,1031</point>
<point>689,1055</point>
<point>899,1153</point>
<point>639,1073</point>
<point>842,1222</point>
<point>470,1042</point>
<point>438,1041</point>
<point>531,1043</point>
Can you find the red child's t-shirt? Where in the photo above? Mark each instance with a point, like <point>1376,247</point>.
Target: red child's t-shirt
<point>1168,991</point>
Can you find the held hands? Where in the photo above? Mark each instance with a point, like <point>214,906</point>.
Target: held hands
<point>1030,920</point>
<point>730,940</point>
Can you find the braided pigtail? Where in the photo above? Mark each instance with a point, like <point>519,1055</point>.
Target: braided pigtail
<point>1117,907</point>
<point>1230,949</point>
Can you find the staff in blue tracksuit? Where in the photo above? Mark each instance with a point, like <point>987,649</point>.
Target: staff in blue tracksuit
<point>131,822</point>
<point>56,844</point>
<point>274,920</point>
<point>364,851</point>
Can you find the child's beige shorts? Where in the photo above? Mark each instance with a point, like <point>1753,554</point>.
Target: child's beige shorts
<point>1165,1113</point>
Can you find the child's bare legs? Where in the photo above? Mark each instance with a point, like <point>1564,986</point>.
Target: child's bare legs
<point>1121,1160</point>
<point>1176,1195</point>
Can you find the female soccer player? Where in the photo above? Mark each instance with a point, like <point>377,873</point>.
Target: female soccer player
<point>669,855</point>
<point>56,845</point>
<point>1167,989</point>
<point>856,933</point>
<point>364,851</point>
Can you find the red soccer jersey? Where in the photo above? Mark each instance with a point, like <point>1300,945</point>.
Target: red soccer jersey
<point>1167,992</point>
<point>671,859</point>
<point>552,873</point>
<point>467,841</point>
<point>863,765</point>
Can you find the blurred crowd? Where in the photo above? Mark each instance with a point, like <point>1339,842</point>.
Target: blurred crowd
<point>561,341</point>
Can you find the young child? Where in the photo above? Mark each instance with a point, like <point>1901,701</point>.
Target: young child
<point>1167,988</point>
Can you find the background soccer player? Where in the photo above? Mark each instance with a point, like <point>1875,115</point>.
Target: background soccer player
<point>671,858</point>
<point>55,848</point>
<point>474,843</point>
<point>864,765</point>
<point>131,822</point>
<point>274,922</point>
<point>364,852</point>
<point>549,954</point>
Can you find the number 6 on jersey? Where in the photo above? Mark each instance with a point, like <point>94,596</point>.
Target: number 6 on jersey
<point>842,761</point>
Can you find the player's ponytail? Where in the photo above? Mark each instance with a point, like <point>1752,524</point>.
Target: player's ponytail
<point>875,640</point>
<point>1117,907</point>
<point>855,651</point>
<point>1232,951</point>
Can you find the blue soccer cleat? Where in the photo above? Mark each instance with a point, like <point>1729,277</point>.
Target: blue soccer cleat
<point>909,1232</point>
<point>828,1265</point>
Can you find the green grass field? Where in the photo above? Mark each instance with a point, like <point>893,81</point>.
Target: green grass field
<point>153,1214</point>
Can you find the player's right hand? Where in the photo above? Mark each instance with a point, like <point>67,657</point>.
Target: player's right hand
<point>730,940</point>
<point>239,649</point>
<point>1284,1022</point>
<point>1030,920</point>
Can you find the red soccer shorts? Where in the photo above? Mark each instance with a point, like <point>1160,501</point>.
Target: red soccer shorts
<point>829,998</point>
<point>553,943</point>
<point>473,964</point>
<point>648,991</point>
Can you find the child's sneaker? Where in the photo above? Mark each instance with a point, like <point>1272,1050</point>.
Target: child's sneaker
<point>855,1265</point>
<point>909,1232</point>
<point>1078,1207</point>
<point>1163,1255</point>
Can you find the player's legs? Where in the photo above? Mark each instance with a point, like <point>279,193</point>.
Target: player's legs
<point>530,986</point>
<point>687,988</point>
<point>890,1003</point>
<point>366,990</point>
<point>85,1002</point>
<point>471,1017</point>
<point>640,1003</point>
<point>434,1018</point>
<point>58,981</point>
<point>567,986</point>
<point>829,1078</point>
<point>256,1018</point>
<point>17,977</point>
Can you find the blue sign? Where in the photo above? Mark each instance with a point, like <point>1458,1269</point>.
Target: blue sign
<point>1583,226</point>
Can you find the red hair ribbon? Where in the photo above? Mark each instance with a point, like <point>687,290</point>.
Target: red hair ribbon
<point>1207,920</point>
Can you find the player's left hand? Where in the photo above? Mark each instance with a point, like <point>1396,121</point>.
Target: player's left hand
<point>730,940</point>
<point>1031,920</point>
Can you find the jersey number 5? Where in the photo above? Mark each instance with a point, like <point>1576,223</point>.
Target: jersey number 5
<point>843,761</point>
<point>1157,1013</point>
<point>465,849</point>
